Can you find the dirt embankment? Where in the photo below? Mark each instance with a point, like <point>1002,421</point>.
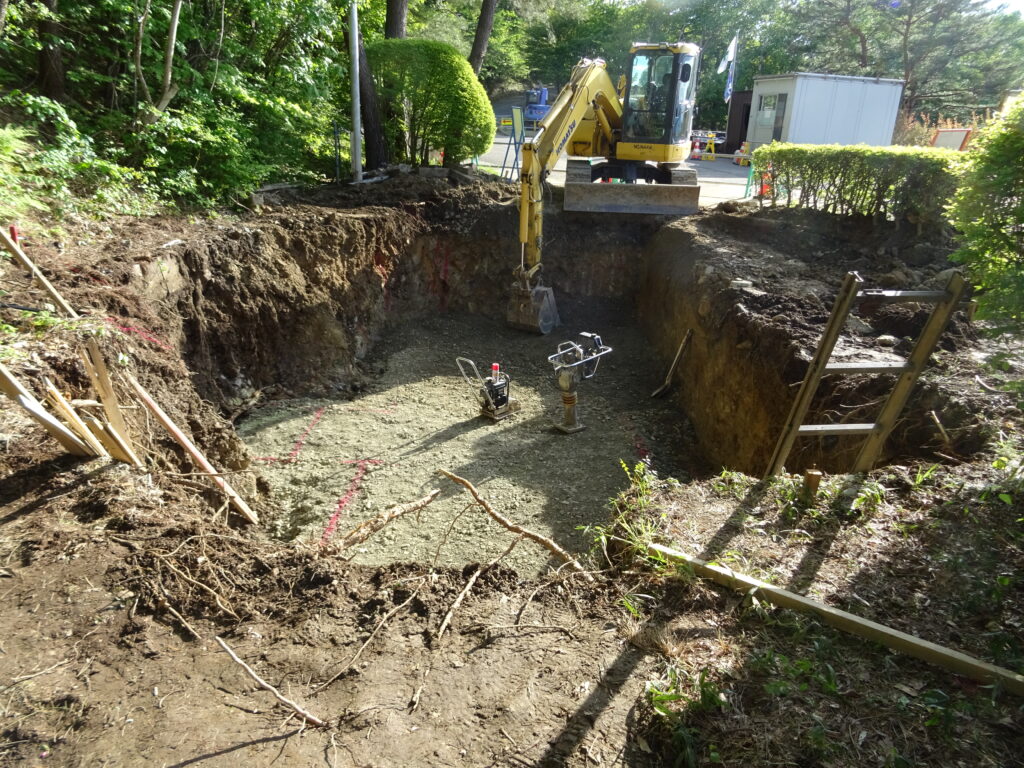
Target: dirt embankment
<point>757,291</point>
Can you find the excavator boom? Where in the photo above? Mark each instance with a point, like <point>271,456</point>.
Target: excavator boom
<point>637,133</point>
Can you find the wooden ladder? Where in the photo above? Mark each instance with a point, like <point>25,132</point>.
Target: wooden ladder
<point>945,301</point>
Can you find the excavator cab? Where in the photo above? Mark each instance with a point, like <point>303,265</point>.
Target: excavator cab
<point>658,103</point>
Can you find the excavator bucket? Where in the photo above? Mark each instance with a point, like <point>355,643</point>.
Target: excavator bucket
<point>656,199</point>
<point>532,309</point>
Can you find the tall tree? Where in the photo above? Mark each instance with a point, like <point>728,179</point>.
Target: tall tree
<point>51,61</point>
<point>951,54</point>
<point>396,18</point>
<point>369,109</point>
<point>483,33</point>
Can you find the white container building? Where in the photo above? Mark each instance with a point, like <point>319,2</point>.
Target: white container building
<point>809,108</point>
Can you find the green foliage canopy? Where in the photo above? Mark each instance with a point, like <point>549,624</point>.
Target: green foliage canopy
<point>988,210</point>
<point>441,104</point>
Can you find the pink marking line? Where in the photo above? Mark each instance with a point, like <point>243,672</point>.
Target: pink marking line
<point>350,493</point>
<point>292,457</point>
<point>142,333</point>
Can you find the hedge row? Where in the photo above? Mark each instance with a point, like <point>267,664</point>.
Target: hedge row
<point>898,182</point>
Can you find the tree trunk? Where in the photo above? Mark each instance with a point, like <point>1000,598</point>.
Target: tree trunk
<point>3,15</point>
<point>51,63</point>
<point>373,130</point>
<point>172,38</point>
<point>394,24</point>
<point>369,110</point>
<point>140,76</point>
<point>483,34</point>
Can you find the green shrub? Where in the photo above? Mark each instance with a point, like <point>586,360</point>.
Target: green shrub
<point>61,171</point>
<point>912,183</point>
<point>988,211</point>
<point>438,101</point>
<point>16,200</point>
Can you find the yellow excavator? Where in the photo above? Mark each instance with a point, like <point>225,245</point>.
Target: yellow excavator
<point>635,138</point>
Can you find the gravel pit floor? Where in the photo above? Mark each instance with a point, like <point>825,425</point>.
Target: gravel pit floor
<point>335,463</point>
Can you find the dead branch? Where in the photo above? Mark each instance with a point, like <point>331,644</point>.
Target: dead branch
<point>373,634</point>
<point>311,719</point>
<point>545,542</point>
<point>166,605</point>
<point>366,529</point>
<point>469,586</point>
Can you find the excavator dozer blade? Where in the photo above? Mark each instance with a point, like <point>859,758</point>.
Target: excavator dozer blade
<point>532,309</point>
<point>651,199</point>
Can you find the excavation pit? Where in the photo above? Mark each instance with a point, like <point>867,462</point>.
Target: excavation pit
<point>372,305</point>
<point>334,463</point>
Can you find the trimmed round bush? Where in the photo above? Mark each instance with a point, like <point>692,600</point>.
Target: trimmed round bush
<point>432,101</point>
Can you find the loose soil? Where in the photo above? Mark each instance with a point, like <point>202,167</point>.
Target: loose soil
<point>323,330</point>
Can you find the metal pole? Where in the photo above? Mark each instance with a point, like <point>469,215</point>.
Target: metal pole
<point>357,131</point>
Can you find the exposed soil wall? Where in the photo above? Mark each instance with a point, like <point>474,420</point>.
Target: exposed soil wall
<point>752,343</point>
<point>290,302</point>
<point>293,300</point>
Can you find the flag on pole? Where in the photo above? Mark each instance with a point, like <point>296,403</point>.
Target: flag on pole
<point>730,54</point>
<point>729,81</point>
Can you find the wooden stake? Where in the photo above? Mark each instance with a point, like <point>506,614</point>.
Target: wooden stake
<point>311,719</point>
<point>237,501</point>
<point>65,409</point>
<point>957,662</point>
<point>14,390</point>
<point>100,377</point>
<point>15,250</point>
<point>542,540</point>
<point>109,438</point>
<point>942,430</point>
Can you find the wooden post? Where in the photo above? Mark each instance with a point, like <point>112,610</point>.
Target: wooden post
<point>237,501</point>
<point>15,250</point>
<point>100,377</point>
<point>957,662</point>
<point>14,390</point>
<point>64,408</point>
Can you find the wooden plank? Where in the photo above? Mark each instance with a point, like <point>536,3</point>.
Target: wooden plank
<point>957,662</point>
<point>821,430</point>
<point>100,377</point>
<point>237,501</point>
<point>15,250</point>
<point>923,348</point>
<point>108,437</point>
<point>876,296</point>
<point>816,369</point>
<point>14,390</point>
<point>896,366</point>
<point>65,409</point>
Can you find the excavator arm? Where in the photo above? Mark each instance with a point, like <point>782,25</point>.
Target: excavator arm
<point>583,120</point>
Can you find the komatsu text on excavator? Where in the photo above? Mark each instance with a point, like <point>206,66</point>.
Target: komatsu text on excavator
<point>637,134</point>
